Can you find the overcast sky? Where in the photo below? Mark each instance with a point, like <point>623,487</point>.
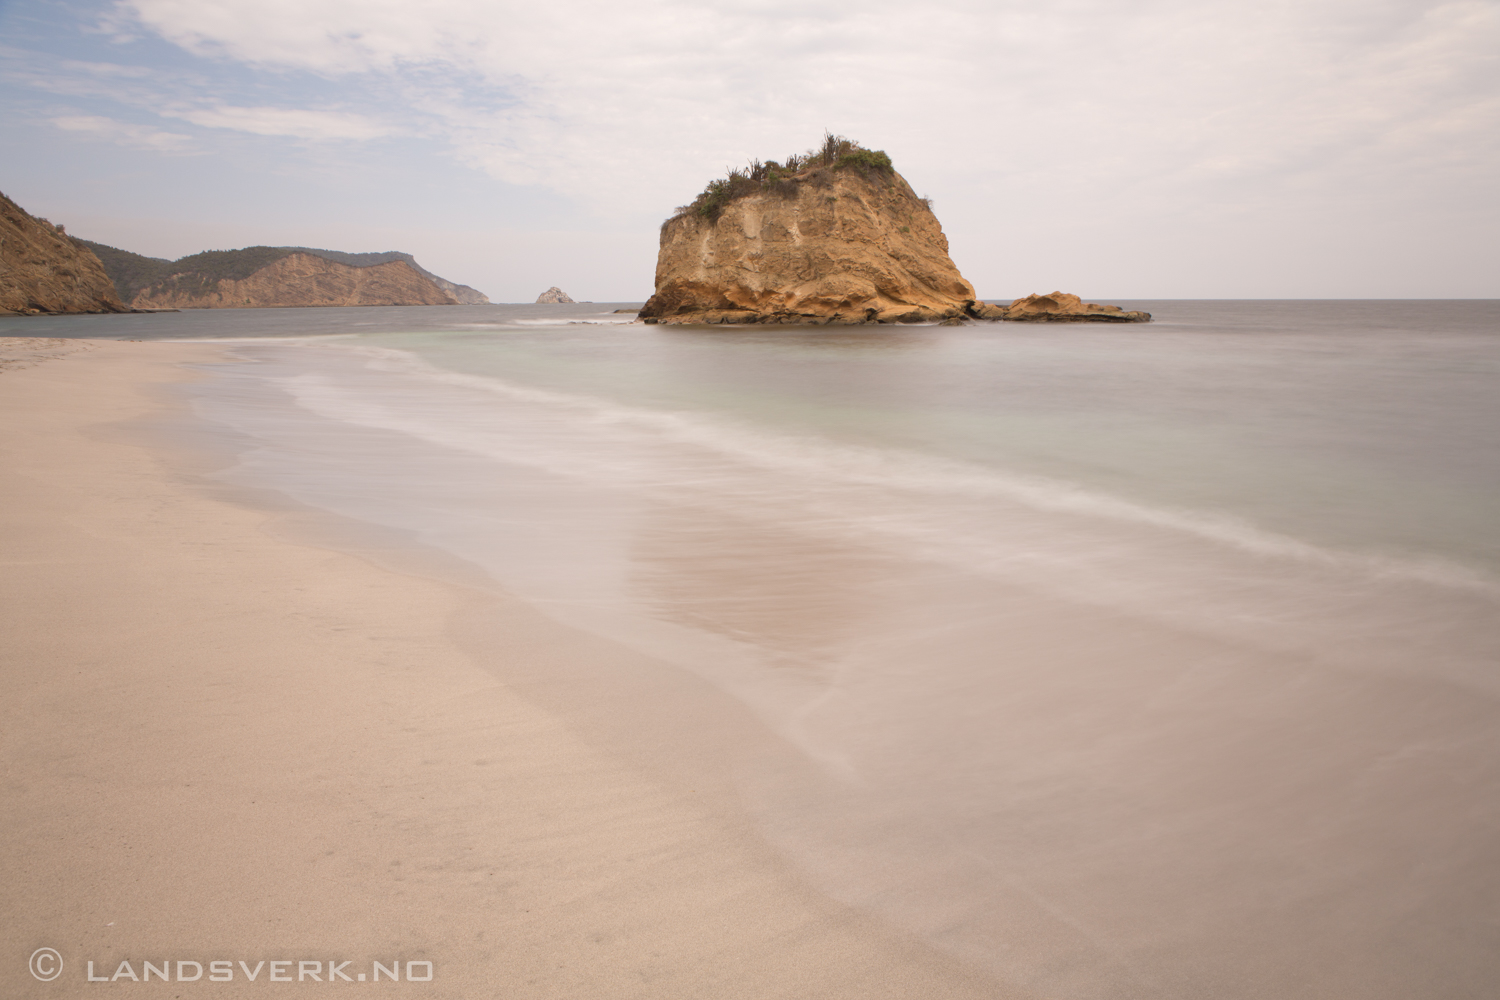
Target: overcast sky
<point>1122,150</point>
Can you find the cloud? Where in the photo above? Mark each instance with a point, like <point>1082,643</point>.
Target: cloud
<point>298,123</point>
<point>109,71</point>
<point>639,102</point>
<point>191,96</point>
<point>125,134</point>
<point>1122,138</point>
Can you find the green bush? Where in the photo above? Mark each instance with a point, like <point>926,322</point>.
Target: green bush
<point>784,179</point>
<point>866,160</point>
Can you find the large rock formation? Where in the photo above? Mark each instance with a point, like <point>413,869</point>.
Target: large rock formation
<point>43,270</point>
<point>836,236</point>
<point>554,295</point>
<point>278,276</point>
<point>1061,307</point>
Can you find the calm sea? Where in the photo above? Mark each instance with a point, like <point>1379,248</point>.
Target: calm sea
<point>1142,661</point>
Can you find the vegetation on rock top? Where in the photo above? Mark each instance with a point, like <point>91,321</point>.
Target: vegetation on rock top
<point>783,179</point>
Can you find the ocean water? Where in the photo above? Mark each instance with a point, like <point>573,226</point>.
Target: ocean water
<point>1146,661</point>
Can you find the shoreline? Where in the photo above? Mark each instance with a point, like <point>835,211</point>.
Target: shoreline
<point>223,742</point>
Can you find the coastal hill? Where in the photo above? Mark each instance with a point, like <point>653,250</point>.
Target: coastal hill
<point>43,270</point>
<point>276,276</point>
<point>835,235</point>
<point>463,293</point>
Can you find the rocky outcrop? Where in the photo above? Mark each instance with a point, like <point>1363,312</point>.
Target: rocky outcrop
<point>554,295</point>
<point>835,235</point>
<point>1060,307</point>
<point>43,270</point>
<point>294,279</point>
<point>840,238</point>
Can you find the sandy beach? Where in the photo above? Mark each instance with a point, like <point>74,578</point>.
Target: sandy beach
<point>556,659</point>
<point>225,744</point>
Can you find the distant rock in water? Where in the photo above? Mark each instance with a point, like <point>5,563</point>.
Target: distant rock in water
<point>833,236</point>
<point>263,277</point>
<point>554,295</point>
<point>43,270</point>
<point>1061,307</point>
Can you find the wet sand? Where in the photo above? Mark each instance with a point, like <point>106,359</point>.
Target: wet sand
<point>221,743</point>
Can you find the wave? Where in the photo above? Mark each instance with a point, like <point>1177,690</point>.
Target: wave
<point>889,469</point>
<point>574,321</point>
<point>299,338</point>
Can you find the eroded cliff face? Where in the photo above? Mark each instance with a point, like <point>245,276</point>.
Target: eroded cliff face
<point>43,270</point>
<point>298,279</point>
<point>837,246</point>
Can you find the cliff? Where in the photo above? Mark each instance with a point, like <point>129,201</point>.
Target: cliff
<point>833,236</point>
<point>269,276</point>
<point>43,270</point>
<point>461,293</point>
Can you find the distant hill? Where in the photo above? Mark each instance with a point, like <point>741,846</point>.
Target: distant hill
<point>463,293</point>
<point>264,276</point>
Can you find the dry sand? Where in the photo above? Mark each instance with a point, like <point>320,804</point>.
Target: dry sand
<point>222,744</point>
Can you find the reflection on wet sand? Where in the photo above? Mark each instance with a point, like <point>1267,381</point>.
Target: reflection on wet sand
<point>802,597</point>
<point>1087,802</point>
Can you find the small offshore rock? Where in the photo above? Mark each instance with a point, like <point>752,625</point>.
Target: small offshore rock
<point>1062,307</point>
<point>555,296</point>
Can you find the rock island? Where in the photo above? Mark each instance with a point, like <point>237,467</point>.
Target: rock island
<point>831,236</point>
